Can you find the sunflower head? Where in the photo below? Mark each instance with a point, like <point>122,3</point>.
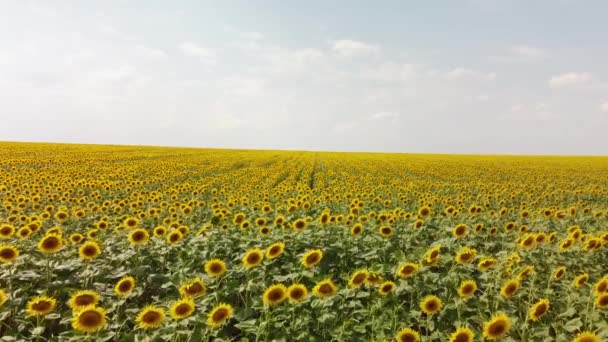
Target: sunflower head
<point>174,237</point>
<point>586,336</point>
<point>601,285</point>
<point>40,306</point>
<point>559,273</point>
<point>358,278</point>
<point>460,231</point>
<point>215,268</point>
<point>486,264</point>
<point>150,317</point>
<point>125,286</point>
<point>50,244</point>
<point>497,327</point>
<point>357,229</point>
<point>182,308</point>
<point>312,258</point>
<point>601,301</point>
<point>83,298</point>
<point>296,293</point>
<point>462,335</point>
<point>193,288</point>
<point>467,288</point>
<point>138,237</point>
<point>580,280</point>
<point>324,289</point>
<point>219,315</point>
<point>465,255</point>
<point>253,258</point>
<point>3,297</point>
<point>509,288</point>
<point>538,309</point>
<point>6,231</point>
<point>386,288</point>
<point>299,225</point>
<point>89,250</point>
<point>275,294</point>
<point>89,319</point>
<point>431,305</point>
<point>407,335</point>
<point>407,270</point>
<point>385,231</point>
<point>8,253</point>
<point>275,250</point>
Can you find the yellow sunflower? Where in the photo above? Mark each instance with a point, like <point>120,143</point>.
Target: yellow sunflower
<point>324,289</point>
<point>431,305</point>
<point>509,288</point>
<point>89,250</point>
<point>559,273</point>
<point>138,237</point>
<point>580,280</point>
<point>299,224</point>
<point>296,293</point>
<point>432,255</point>
<point>462,335</point>
<point>215,268</point>
<point>385,231</point>
<point>6,231</point>
<point>275,250</point>
<point>150,317</point>
<point>386,288</point>
<point>50,244</point>
<point>497,327</point>
<point>182,308</point>
<point>193,288</point>
<point>407,335</point>
<point>467,289</point>
<point>83,298</point>
<point>357,229</point>
<point>8,253</point>
<point>125,286</point>
<point>586,336</point>
<point>538,309</point>
<point>275,294</point>
<point>486,264</point>
<point>407,270</point>
<point>253,258</point>
<point>219,315</point>
<point>358,278</point>
<point>40,306</point>
<point>3,297</point>
<point>465,255</point>
<point>601,285</point>
<point>76,238</point>
<point>312,258</point>
<point>174,237</point>
<point>460,231</point>
<point>89,319</point>
<point>601,301</point>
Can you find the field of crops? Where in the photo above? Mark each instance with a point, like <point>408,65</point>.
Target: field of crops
<point>119,243</point>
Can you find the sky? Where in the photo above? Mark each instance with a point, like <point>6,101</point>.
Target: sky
<point>451,76</point>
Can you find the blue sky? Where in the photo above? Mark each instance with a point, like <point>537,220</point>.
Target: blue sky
<point>454,76</point>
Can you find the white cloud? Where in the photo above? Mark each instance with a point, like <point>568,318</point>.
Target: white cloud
<point>193,50</point>
<point>523,53</point>
<point>468,74</point>
<point>604,107</point>
<point>384,115</point>
<point>228,121</point>
<point>569,79</point>
<point>352,48</point>
<point>150,53</point>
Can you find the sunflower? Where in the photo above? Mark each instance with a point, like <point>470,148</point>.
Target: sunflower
<point>431,305</point>
<point>124,286</point>
<point>89,250</point>
<point>299,225</point>
<point>385,231</point>
<point>174,237</point>
<point>219,315</point>
<point>358,279</point>
<point>150,317</point>
<point>357,229</point>
<point>312,258</point>
<point>83,298</point>
<point>275,250</point>
<point>586,336</point>
<point>528,241</point>
<point>296,293</point>
<point>130,222</point>
<point>418,224</point>
<point>324,289</point>
<point>525,272</point>
<point>193,288</point>
<point>566,244</point>
<point>215,268</point>
<point>601,301</point>
<point>424,212</point>
<point>275,294</point>
<point>601,285</point>
<point>509,288</point>
<point>462,335</point>
<point>407,270</point>
<point>253,258</point>
<point>580,280</point>
<point>138,237</point>
<point>182,308</point>
<point>50,244</point>
<point>8,253</point>
<point>559,273</point>
<point>538,309</point>
<point>6,231</point>
<point>159,231</point>
<point>486,264</point>
<point>386,288</point>
<point>432,255</point>
<point>264,231</point>
<point>465,255</point>
<point>40,306</point>
<point>460,231</point>
<point>407,335</point>
<point>89,319</point>
<point>3,297</point>
<point>497,327</point>
<point>76,238</point>
<point>467,288</point>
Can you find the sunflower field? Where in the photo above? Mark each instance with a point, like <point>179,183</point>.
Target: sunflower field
<point>128,243</point>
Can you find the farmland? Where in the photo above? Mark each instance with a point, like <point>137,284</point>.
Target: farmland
<point>125,243</point>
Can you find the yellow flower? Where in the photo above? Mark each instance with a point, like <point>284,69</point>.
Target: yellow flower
<point>509,288</point>
<point>386,288</point>
<point>125,286</point>
<point>8,253</point>
<point>83,298</point>
<point>465,255</point>
<point>40,306</point>
<point>586,336</point>
<point>497,327</point>
<point>325,288</point>
<point>312,258</point>
<point>138,237</point>
<point>431,305</point>
<point>275,250</point>
<point>50,244</point>
<point>559,273</point>
<point>486,264</point>
<point>601,301</point>
<point>358,279</point>
<point>182,308</point>
<point>275,294</point>
<point>580,280</point>
<point>407,270</point>
<point>385,231</point>
<point>219,315</point>
<point>150,317</point>
<point>296,293</point>
<point>253,258</point>
<point>193,288</point>
<point>467,288</point>
<point>3,297</point>
<point>407,335</point>
<point>538,310</point>
<point>89,250</point>
<point>462,335</point>
<point>460,231</point>
<point>215,268</point>
<point>89,319</point>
